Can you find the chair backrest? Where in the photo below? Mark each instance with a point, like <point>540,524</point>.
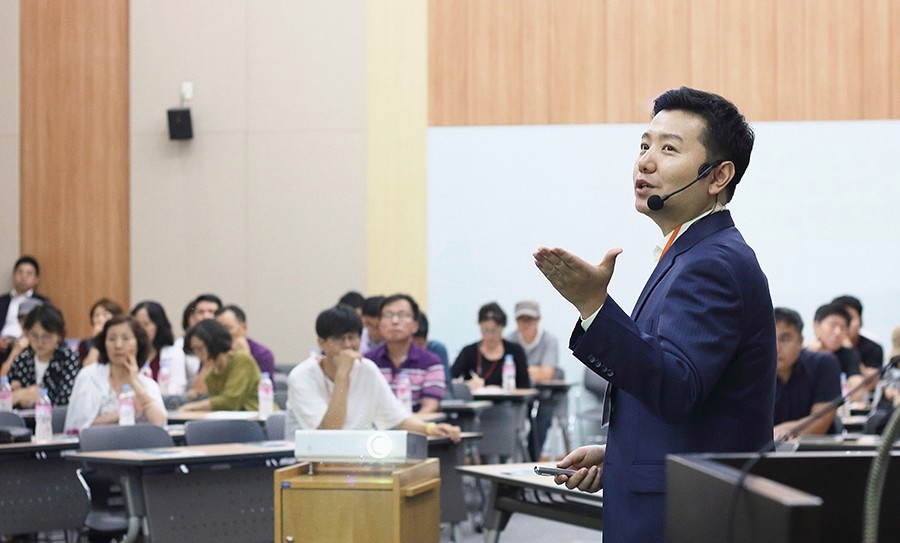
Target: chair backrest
<point>595,384</point>
<point>8,418</point>
<point>275,425</point>
<point>113,436</point>
<point>461,391</point>
<point>59,418</point>
<point>281,398</point>
<point>206,432</point>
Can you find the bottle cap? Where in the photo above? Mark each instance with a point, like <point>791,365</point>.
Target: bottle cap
<point>126,388</point>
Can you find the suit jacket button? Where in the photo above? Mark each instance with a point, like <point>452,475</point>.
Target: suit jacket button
<point>592,359</point>
<point>610,372</point>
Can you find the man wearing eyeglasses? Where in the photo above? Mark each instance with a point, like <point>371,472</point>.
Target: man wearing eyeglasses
<point>400,354</point>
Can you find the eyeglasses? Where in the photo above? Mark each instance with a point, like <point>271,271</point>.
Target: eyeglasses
<point>43,338</point>
<point>400,316</point>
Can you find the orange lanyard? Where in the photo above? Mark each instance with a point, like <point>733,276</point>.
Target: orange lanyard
<point>670,242</point>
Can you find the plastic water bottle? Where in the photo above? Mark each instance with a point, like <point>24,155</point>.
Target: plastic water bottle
<point>266,395</point>
<point>43,418</point>
<point>404,391</point>
<point>126,406</point>
<point>164,378</point>
<point>509,373</point>
<point>844,409</point>
<point>6,395</point>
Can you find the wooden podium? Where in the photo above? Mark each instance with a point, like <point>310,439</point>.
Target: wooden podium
<point>335,503</point>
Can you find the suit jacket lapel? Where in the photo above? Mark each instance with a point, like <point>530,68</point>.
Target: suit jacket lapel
<point>699,230</point>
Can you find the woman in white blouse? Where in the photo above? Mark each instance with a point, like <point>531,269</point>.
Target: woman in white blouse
<point>152,317</point>
<point>95,397</point>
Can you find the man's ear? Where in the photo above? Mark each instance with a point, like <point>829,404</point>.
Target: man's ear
<point>720,177</point>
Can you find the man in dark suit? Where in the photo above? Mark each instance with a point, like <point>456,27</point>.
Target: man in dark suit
<point>693,368</point>
<point>26,276</point>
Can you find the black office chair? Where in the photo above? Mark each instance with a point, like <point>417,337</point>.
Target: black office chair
<point>595,386</point>
<point>58,420</point>
<point>107,517</point>
<point>8,418</point>
<point>208,432</point>
<point>275,426</point>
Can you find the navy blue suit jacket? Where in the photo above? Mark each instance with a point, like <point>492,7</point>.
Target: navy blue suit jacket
<point>692,370</point>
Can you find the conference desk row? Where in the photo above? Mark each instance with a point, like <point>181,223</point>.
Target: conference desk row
<point>187,493</point>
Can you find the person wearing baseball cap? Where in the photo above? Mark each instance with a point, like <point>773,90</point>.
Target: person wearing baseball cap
<point>542,350</point>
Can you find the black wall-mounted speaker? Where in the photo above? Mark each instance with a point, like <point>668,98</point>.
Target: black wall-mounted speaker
<point>180,127</point>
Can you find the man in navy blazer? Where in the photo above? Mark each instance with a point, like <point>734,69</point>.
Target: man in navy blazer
<point>693,368</point>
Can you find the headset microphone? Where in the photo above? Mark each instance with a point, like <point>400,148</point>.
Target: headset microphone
<point>655,202</point>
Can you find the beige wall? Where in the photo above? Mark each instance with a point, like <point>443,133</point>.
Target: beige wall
<point>9,139</point>
<point>266,206</point>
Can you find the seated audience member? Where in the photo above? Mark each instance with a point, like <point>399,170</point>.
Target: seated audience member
<point>542,351</point>
<point>807,381</point>
<point>371,336</point>
<point>20,344</point>
<point>95,397</point>
<point>871,353</point>
<point>481,363</point>
<point>233,375</point>
<point>397,324</point>
<point>234,320</point>
<point>436,347</point>
<point>48,362</point>
<point>102,310</point>
<point>353,299</point>
<point>343,390</point>
<point>152,318</point>
<point>830,328</point>
<point>26,276</point>
<point>200,308</point>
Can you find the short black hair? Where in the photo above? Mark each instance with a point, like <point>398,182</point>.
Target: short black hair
<point>238,312</point>
<point>727,136</point>
<point>422,332</point>
<point>398,297</point>
<point>28,259</point>
<point>164,335</point>
<point>849,301</point>
<point>337,321</point>
<point>789,317</point>
<point>49,317</point>
<point>186,316</point>
<point>143,343</point>
<point>353,299</point>
<point>212,334</point>
<point>372,306</point>
<point>492,312</point>
<point>828,310</point>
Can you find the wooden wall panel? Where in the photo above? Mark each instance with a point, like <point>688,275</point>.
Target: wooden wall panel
<point>661,58</point>
<point>799,60</point>
<point>448,61</point>
<point>790,54</point>
<point>578,62</point>
<point>618,77</point>
<point>496,60</point>
<point>536,62</point>
<point>74,151</point>
<point>876,60</point>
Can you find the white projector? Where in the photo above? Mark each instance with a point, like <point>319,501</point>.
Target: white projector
<point>359,446</point>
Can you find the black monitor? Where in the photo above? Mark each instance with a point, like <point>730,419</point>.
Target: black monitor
<point>789,497</point>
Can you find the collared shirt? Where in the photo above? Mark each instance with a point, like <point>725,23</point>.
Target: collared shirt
<point>658,250</point>
<point>424,369</point>
<point>11,326</point>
